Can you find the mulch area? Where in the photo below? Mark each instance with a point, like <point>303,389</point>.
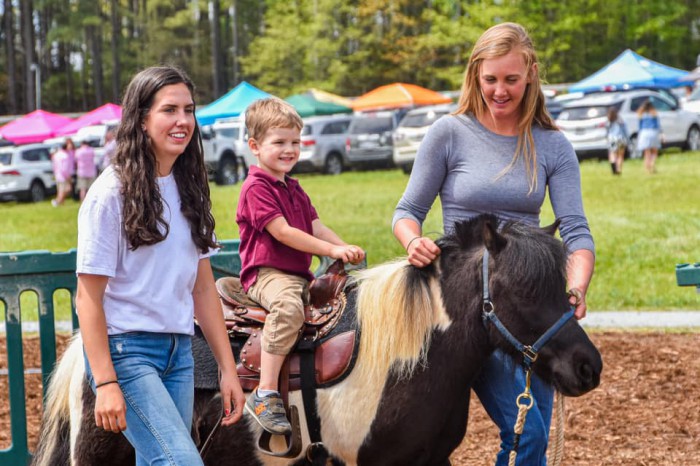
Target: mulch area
<point>645,412</point>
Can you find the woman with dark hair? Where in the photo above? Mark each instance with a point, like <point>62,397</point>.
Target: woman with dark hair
<point>500,152</point>
<point>145,235</point>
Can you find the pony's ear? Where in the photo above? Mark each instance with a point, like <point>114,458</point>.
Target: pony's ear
<point>551,229</point>
<point>493,240</point>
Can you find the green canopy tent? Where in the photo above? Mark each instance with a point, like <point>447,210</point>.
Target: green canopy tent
<point>307,105</point>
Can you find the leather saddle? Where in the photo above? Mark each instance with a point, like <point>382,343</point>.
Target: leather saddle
<point>332,352</point>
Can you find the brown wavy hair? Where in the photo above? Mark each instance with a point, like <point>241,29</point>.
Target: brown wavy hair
<point>496,42</point>
<point>136,167</point>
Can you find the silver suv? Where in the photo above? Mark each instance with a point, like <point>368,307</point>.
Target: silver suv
<point>26,172</point>
<point>369,140</point>
<point>323,144</point>
<point>412,129</point>
<point>584,121</point>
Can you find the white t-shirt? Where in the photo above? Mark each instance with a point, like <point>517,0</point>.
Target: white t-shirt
<point>150,289</point>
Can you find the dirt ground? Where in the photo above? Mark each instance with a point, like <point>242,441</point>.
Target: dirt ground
<point>645,412</point>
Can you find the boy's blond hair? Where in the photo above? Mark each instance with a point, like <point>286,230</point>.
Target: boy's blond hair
<point>268,113</point>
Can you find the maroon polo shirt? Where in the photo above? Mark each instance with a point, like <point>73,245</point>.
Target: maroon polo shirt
<point>264,198</point>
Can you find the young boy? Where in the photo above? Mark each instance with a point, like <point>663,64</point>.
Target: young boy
<point>279,232</point>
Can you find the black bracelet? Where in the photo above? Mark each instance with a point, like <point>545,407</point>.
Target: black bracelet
<point>105,383</point>
<point>409,243</point>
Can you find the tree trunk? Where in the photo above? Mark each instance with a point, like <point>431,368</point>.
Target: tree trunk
<point>216,56</point>
<point>8,25</point>
<point>116,65</point>
<point>234,56</point>
<point>27,27</point>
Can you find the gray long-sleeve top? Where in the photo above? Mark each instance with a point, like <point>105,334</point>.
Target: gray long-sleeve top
<point>463,162</point>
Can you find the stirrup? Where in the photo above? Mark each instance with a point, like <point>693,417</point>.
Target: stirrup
<point>292,441</point>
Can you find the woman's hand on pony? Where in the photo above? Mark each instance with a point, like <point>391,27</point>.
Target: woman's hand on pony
<point>422,251</point>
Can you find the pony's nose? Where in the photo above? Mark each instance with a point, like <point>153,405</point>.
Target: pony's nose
<point>589,373</point>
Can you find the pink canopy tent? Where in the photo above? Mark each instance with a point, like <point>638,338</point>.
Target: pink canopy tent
<point>34,127</point>
<point>107,112</point>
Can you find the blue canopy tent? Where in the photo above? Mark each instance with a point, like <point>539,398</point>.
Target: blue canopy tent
<point>231,104</point>
<point>631,70</point>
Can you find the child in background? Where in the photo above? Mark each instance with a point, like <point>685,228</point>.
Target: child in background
<point>279,231</point>
<point>649,137</point>
<point>617,140</point>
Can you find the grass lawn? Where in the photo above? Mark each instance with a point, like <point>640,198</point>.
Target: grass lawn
<point>643,225</point>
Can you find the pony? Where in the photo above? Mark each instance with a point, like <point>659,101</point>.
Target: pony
<point>424,337</point>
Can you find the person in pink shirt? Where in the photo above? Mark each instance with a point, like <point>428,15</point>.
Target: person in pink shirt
<point>63,169</point>
<point>110,148</point>
<point>86,169</point>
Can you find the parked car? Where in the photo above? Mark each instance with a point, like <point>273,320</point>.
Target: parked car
<point>26,172</point>
<point>323,144</point>
<point>369,141</point>
<point>226,151</point>
<point>584,121</point>
<point>412,129</point>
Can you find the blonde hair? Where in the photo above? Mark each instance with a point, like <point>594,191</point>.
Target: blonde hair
<point>268,113</point>
<point>496,42</point>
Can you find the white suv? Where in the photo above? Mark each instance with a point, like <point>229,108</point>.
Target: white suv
<point>26,172</point>
<point>226,151</point>
<point>584,121</point>
<point>412,129</point>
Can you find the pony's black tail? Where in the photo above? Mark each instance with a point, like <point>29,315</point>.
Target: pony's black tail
<point>54,441</point>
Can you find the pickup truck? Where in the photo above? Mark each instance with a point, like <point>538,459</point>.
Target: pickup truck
<point>226,152</point>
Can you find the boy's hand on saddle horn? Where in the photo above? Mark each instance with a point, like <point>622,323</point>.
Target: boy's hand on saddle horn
<point>422,251</point>
<point>348,253</point>
<point>110,408</point>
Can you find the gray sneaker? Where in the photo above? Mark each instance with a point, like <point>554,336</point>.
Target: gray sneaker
<point>269,412</point>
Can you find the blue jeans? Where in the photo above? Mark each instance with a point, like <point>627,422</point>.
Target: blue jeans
<point>498,385</point>
<point>156,375</point>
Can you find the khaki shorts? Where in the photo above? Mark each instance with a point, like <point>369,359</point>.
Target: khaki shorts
<point>284,296</point>
<point>84,183</point>
<point>63,187</point>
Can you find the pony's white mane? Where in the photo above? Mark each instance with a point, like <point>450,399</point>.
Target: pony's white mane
<point>396,325</point>
<point>396,322</point>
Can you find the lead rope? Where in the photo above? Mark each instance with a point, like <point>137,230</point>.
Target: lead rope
<point>557,450</point>
<point>524,403</point>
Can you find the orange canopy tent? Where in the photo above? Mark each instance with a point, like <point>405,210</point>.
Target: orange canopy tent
<point>398,95</point>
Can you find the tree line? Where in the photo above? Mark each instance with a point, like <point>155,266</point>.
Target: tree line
<point>83,52</point>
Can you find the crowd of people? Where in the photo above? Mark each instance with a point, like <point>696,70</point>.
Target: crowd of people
<point>76,169</point>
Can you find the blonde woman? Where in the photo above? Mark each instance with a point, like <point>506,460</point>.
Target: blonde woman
<point>499,152</point>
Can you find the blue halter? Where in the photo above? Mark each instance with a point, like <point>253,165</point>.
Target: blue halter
<point>530,352</point>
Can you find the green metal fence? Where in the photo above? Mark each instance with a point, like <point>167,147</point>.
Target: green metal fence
<point>43,273</point>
